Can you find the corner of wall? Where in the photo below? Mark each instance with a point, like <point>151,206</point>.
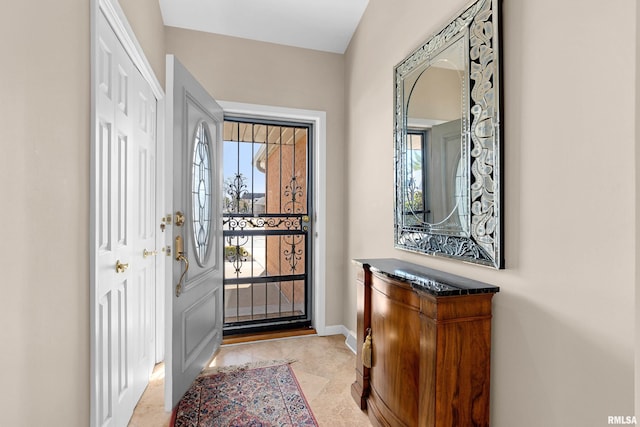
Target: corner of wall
<point>350,336</point>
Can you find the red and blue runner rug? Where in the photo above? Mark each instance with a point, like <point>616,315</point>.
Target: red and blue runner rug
<point>245,396</point>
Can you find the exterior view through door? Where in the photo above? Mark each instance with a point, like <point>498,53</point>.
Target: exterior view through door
<point>266,225</point>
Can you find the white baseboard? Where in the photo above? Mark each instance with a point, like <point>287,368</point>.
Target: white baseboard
<point>350,336</point>
<point>351,341</point>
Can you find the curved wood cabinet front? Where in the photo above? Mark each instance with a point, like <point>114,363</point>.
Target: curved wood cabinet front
<point>431,346</point>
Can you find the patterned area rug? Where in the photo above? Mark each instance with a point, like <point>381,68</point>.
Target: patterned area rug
<point>245,396</point>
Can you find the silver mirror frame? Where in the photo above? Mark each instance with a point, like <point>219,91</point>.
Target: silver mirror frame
<point>479,22</point>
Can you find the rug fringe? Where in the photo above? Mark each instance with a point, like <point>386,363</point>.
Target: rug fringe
<point>250,365</point>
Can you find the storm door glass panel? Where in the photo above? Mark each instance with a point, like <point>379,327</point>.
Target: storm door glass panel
<point>266,225</point>
<point>201,192</point>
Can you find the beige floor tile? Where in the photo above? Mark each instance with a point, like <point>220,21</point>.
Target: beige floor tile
<point>324,367</point>
<point>312,385</point>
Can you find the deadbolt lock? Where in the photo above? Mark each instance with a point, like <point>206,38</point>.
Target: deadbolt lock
<point>305,220</point>
<point>179,219</point>
<point>166,220</point>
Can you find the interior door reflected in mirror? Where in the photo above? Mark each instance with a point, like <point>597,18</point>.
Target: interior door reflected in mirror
<point>447,141</point>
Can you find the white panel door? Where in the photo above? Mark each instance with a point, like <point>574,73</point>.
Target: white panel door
<point>123,192</point>
<point>144,217</point>
<point>194,299</point>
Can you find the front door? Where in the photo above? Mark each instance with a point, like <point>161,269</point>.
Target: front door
<point>194,226</point>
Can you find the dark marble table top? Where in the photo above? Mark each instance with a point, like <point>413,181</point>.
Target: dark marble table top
<point>427,279</point>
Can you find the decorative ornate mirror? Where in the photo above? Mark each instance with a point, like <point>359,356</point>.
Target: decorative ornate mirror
<point>447,141</point>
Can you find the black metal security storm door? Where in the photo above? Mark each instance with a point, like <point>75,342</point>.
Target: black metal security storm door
<point>267,225</point>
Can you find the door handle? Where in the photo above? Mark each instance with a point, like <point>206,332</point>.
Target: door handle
<point>180,257</point>
<point>120,267</point>
<point>186,268</point>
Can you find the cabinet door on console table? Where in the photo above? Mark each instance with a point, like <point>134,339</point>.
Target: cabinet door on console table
<point>395,332</point>
<point>431,346</point>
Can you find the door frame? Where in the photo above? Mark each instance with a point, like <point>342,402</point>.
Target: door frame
<point>117,19</point>
<point>319,186</point>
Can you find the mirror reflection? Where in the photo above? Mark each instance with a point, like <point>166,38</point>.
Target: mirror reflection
<point>436,194</point>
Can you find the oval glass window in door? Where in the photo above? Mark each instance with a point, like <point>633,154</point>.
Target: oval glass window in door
<point>201,192</point>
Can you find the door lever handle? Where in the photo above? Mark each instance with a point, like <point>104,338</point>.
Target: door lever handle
<point>146,253</point>
<point>181,257</point>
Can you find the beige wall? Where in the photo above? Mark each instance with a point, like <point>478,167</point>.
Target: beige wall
<point>145,19</point>
<point>239,70</point>
<point>563,346</point>
<point>44,174</point>
<point>44,188</point>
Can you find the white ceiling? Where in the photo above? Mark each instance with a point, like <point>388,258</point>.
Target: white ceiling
<point>326,25</point>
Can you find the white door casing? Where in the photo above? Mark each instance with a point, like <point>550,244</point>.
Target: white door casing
<point>193,328</point>
<point>123,207</point>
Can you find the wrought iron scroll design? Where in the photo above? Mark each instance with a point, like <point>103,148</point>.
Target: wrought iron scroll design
<point>242,223</point>
<point>484,245</point>
<point>294,191</point>
<point>295,252</point>
<point>236,187</point>
<point>239,221</point>
<point>235,251</point>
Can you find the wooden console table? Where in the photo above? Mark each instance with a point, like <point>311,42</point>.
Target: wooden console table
<point>431,346</point>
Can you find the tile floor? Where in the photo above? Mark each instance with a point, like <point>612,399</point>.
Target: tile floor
<point>324,368</point>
